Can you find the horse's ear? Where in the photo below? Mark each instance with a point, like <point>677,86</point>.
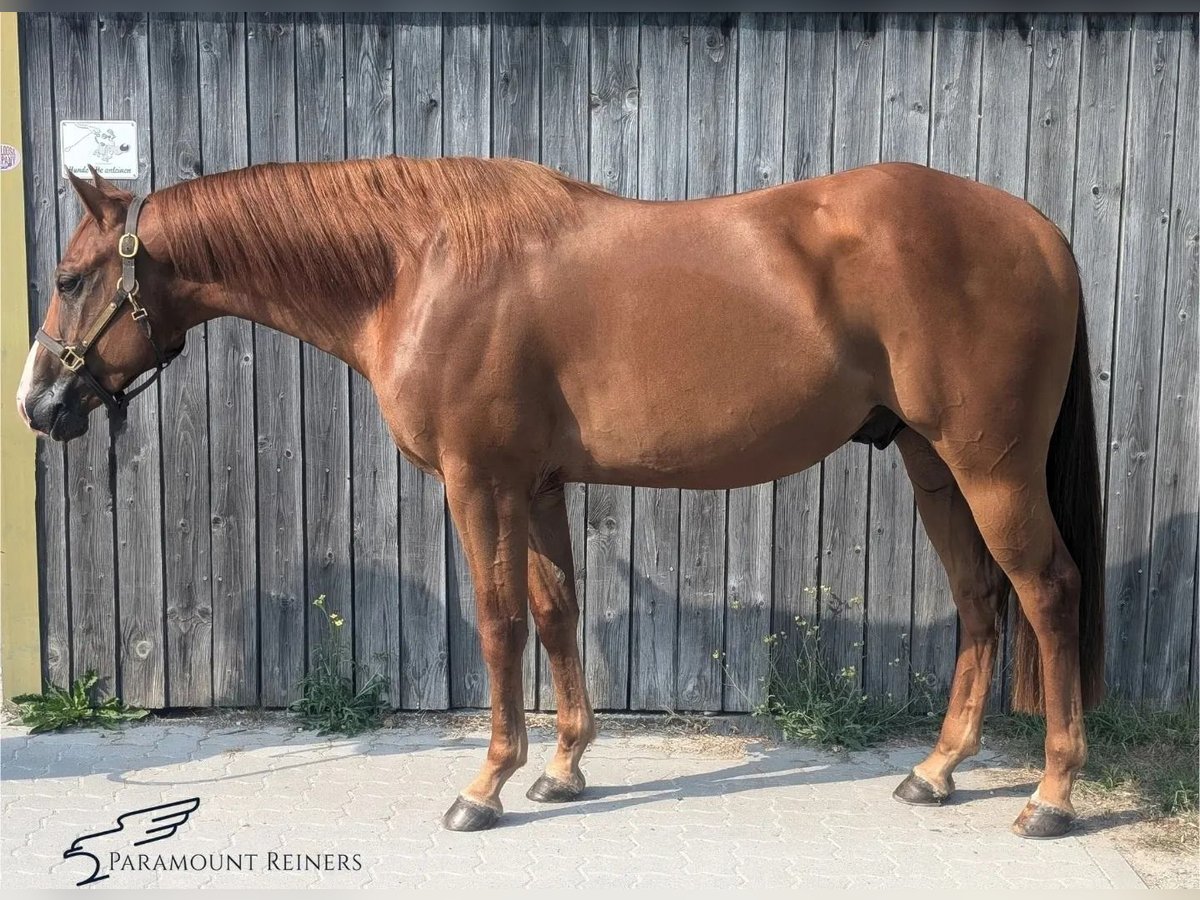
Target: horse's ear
<point>103,208</point>
<point>107,187</point>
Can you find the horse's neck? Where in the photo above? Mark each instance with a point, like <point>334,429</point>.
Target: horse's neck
<point>341,337</point>
<point>336,328</point>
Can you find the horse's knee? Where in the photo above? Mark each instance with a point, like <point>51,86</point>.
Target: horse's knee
<point>503,636</point>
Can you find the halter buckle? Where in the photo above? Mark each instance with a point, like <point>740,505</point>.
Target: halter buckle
<point>71,359</point>
<point>139,311</point>
<point>127,245</point>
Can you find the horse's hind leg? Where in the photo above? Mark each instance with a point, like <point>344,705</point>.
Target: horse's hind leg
<point>556,612</point>
<point>1016,520</point>
<point>979,588</point>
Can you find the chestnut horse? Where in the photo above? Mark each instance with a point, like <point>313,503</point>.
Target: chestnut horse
<point>522,330</point>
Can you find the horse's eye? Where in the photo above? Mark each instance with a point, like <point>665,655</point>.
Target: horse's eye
<point>68,284</point>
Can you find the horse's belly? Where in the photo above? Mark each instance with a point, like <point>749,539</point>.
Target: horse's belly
<point>712,432</point>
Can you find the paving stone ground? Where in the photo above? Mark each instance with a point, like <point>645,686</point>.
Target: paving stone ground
<point>662,809</point>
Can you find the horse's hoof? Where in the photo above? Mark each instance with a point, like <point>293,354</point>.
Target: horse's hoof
<point>550,790</point>
<point>1040,821</point>
<point>916,791</point>
<point>466,815</point>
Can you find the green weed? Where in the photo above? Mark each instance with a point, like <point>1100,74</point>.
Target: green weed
<point>61,708</point>
<point>813,701</point>
<point>328,700</point>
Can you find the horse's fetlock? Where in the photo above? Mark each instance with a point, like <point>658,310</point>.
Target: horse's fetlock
<point>1065,752</point>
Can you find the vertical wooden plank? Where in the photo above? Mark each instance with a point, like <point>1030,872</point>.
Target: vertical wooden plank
<point>1099,188</point>
<point>904,135</point>
<point>375,478</point>
<point>565,48</point>
<point>283,601</point>
<point>516,73</point>
<point>425,657</point>
<point>907,81</point>
<point>320,136</point>
<point>1003,145</point>
<point>1053,115</point>
<point>662,175</point>
<point>614,165</point>
<point>466,131</point>
<point>1138,343</point>
<point>807,153</point>
<point>957,57</point>
<point>712,148</point>
<point>1099,199</point>
<point>1177,467</point>
<point>1004,102</point>
<point>232,448</point>
<point>138,499</point>
<point>516,132</point>
<point>125,89</point>
<point>41,244</point>
<point>845,509</point>
<point>187,585</point>
<point>954,143</point>
<point>75,46</point>
<point>762,74</point>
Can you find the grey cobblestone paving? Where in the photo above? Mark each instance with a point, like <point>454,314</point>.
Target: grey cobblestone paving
<point>661,810</point>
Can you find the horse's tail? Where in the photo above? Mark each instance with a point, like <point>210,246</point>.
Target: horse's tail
<point>1073,483</point>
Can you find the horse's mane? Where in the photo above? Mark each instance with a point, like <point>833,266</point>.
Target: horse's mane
<point>344,229</point>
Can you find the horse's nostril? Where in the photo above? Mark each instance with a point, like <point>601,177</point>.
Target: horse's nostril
<point>41,411</point>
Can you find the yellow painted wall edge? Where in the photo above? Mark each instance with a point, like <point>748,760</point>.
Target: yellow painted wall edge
<point>20,639</point>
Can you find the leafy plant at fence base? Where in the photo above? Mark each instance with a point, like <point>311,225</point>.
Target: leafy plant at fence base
<point>328,700</point>
<point>61,708</point>
<point>811,700</point>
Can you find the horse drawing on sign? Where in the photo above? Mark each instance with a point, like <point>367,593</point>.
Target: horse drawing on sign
<point>523,330</point>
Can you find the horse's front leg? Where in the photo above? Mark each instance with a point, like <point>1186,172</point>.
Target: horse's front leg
<point>492,516</point>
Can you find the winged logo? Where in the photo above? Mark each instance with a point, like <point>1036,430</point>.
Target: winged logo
<point>154,823</point>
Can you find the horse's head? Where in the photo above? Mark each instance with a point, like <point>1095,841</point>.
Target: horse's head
<point>106,323</point>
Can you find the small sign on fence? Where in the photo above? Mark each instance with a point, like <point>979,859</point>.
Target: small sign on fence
<point>110,145</point>
<point>10,157</point>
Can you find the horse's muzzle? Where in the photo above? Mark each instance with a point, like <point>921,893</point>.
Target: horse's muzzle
<point>57,412</point>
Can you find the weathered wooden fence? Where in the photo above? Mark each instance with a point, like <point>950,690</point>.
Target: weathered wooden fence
<point>178,557</point>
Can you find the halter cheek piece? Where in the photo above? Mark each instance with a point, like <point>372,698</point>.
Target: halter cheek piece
<point>74,356</point>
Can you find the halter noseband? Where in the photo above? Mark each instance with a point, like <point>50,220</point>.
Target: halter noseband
<point>74,356</point>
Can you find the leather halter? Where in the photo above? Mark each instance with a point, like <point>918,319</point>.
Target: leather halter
<point>73,356</point>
